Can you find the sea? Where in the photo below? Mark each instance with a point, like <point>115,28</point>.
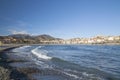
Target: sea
<point>73,62</point>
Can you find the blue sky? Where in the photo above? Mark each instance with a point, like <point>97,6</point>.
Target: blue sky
<point>60,18</point>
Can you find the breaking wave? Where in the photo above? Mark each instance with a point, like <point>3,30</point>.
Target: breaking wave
<point>25,46</point>
<point>40,54</point>
<point>20,49</point>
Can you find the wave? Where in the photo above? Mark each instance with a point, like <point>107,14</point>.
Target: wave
<point>40,54</point>
<point>71,75</point>
<point>20,48</point>
<point>25,46</point>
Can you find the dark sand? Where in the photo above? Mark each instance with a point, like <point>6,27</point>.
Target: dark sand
<point>7,72</point>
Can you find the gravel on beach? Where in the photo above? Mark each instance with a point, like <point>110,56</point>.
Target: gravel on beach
<point>4,74</point>
<point>7,72</point>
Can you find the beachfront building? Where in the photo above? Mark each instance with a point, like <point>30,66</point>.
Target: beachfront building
<point>110,38</point>
<point>90,41</point>
<point>117,38</point>
<point>98,39</point>
<point>0,43</point>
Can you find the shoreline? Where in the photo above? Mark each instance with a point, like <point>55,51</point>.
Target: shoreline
<point>17,73</point>
<point>59,44</point>
<point>6,71</point>
<point>9,72</point>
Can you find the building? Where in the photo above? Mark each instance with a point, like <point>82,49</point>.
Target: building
<point>0,43</point>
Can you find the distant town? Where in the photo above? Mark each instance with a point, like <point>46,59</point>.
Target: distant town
<point>47,39</point>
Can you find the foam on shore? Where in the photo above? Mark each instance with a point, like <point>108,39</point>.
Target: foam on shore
<point>39,54</point>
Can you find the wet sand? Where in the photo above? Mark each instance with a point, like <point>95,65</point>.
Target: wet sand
<point>8,72</point>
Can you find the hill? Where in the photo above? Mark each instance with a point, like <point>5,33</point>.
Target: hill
<point>26,38</point>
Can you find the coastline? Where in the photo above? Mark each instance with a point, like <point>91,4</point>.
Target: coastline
<point>22,71</point>
<point>6,71</point>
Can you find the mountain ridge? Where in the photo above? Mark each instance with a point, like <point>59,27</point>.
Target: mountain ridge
<point>47,39</point>
<point>26,38</point>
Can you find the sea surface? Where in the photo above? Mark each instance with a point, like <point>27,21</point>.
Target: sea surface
<point>73,62</point>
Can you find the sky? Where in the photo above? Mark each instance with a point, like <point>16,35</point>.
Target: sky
<point>60,18</point>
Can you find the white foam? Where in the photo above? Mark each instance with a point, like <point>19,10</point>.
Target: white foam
<point>25,46</point>
<point>20,48</point>
<point>85,74</point>
<point>40,55</point>
<point>71,75</point>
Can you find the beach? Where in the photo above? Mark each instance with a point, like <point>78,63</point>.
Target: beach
<point>6,71</point>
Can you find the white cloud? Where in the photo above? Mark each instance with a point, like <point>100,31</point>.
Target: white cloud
<point>18,32</point>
